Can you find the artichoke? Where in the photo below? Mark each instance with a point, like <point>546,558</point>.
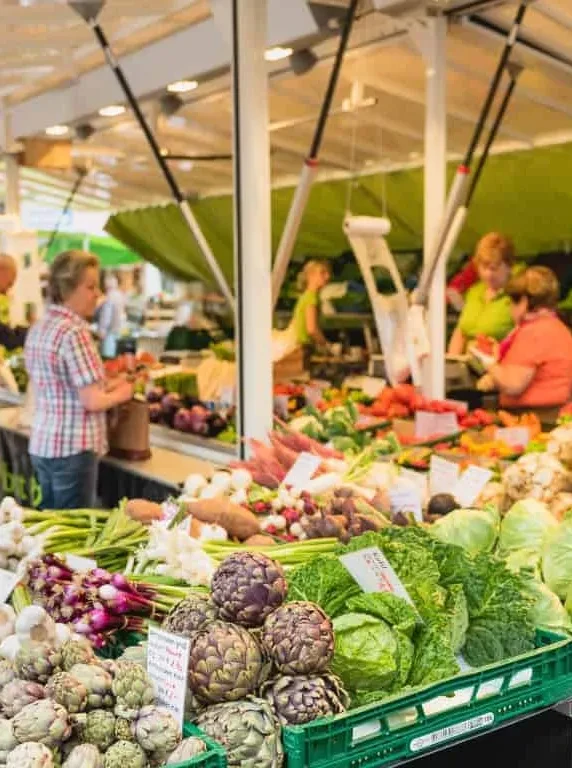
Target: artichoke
<point>7,740</point>
<point>30,755</point>
<point>99,728</point>
<point>226,663</point>
<point>186,750</point>
<point>76,652</point>
<point>136,653</point>
<point>37,661</point>
<point>133,689</point>
<point>247,587</point>
<point>125,754</point>
<point>7,672</point>
<point>298,700</point>
<point>84,756</point>
<point>44,721</point>
<point>190,615</point>
<point>123,730</point>
<point>98,683</point>
<point>248,732</point>
<point>18,694</point>
<point>156,731</point>
<point>299,639</point>
<point>67,691</point>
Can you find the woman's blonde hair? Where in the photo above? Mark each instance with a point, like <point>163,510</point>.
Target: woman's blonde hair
<point>307,270</point>
<point>67,272</point>
<point>495,249</point>
<point>538,284</point>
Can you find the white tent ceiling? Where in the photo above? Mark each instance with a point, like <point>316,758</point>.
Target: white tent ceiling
<point>52,71</point>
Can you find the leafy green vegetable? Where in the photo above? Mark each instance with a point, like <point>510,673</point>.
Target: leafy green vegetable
<point>434,658</point>
<point>394,610</point>
<point>325,581</point>
<point>547,611</point>
<point>525,527</point>
<point>524,561</point>
<point>458,613</point>
<point>475,530</point>
<point>557,559</point>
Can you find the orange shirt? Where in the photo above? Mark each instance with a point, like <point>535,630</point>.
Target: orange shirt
<point>544,344</point>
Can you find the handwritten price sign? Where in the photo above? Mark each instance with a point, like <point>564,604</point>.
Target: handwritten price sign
<point>168,666</point>
<point>372,571</point>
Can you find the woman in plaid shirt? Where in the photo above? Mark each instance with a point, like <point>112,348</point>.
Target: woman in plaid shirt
<point>70,388</point>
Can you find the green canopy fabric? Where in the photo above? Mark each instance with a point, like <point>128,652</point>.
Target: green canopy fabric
<point>111,253</point>
<point>526,194</point>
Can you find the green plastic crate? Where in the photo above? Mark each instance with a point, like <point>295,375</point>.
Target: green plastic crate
<point>409,726</point>
<point>214,757</point>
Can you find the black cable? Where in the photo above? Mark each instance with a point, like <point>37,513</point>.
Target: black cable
<point>74,190</point>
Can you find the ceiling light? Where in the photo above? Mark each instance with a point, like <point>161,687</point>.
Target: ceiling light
<point>278,53</point>
<point>57,130</point>
<point>186,166</point>
<point>183,86</point>
<point>114,110</point>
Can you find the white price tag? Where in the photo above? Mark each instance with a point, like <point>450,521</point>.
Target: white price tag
<point>469,486</point>
<point>428,425</point>
<point>168,666</point>
<point>405,496</point>
<point>371,386</point>
<point>304,469</point>
<point>372,571</point>
<point>8,581</point>
<point>81,564</point>
<point>443,475</point>
<point>516,437</point>
<point>417,478</point>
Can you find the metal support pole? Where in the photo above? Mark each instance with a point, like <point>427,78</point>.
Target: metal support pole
<point>12,168</point>
<point>433,368</point>
<point>252,213</point>
<point>310,169</point>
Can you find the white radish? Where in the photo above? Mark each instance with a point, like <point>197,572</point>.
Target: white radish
<point>194,484</point>
<point>222,481</point>
<point>240,479</point>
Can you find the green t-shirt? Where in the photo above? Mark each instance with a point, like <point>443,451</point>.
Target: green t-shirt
<point>489,317</point>
<point>307,299</point>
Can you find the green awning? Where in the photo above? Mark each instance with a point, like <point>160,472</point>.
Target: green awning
<point>526,194</point>
<point>111,253</point>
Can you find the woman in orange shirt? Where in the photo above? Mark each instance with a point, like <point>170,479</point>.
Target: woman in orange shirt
<point>532,367</point>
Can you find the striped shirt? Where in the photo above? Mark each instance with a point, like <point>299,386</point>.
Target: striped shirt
<point>61,359</point>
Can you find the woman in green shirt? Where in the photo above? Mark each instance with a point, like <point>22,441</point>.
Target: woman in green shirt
<point>486,311</point>
<point>305,321</point>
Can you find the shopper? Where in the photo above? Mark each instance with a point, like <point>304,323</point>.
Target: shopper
<point>11,338</point>
<point>111,317</point>
<point>486,311</point>
<point>306,317</point>
<point>532,367</point>
<point>71,396</point>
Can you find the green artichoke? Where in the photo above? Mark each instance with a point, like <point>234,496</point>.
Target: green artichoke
<point>67,691</point>
<point>299,639</point>
<point>98,683</point>
<point>136,653</point>
<point>123,730</point>
<point>226,663</point>
<point>132,688</point>
<point>84,756</point>
<point>7,672</point>
<point>37,661</point>
<point>44,721</point>
<point>99,728</point>
<point>299,699</point>
<point>76,652</point>
<point>125,754</point>
<point>186,750</point>
<point>248,732</point>
<point>7,739</point>
<point>30,755</point>
<point>190,615</point>
<point>247,587</point>
<point>156,731</point>
<point>18,694</point>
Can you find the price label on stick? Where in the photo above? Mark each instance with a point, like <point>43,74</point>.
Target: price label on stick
<point>443,475</point>
<point>304,469</point>
<point>429,425</point>
<point>8,582</point>
<point>469,486</point>
<point>168,667</point>
<point>372,571</point>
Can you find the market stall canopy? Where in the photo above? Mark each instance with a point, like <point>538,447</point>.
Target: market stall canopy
<point>526,194</point>
<point>111,253</point>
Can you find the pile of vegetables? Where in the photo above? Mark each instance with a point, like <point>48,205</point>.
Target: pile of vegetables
<point>17,544</point>
<point>61,706</point>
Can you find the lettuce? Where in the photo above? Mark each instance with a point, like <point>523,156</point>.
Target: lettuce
<point>547,611</point>
<point>325,581</point>
<point>557,559</point>
<point>525,527</point>
<point>475,530</point>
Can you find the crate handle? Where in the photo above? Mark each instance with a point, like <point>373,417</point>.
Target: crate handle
<point>365,731</point>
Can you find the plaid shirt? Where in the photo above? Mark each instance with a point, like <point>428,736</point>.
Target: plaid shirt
<point>61,359</point>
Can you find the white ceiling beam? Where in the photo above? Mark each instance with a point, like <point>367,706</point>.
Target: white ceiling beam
<point>554,14</point>
<point>57,14</point>
<point>193,52</point>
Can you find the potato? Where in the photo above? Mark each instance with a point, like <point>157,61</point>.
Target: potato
<point>238,522</point>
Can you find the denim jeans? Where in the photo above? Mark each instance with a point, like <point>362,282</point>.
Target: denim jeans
<point>67,483</point>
